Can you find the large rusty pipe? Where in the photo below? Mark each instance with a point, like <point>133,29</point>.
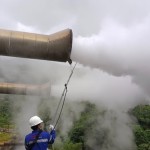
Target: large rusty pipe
<point>55,47</point>
<point>24,89</point>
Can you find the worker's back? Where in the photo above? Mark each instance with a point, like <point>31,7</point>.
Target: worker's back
<point>43,140</point>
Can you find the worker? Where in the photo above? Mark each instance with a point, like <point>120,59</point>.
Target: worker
<point>39,139</point>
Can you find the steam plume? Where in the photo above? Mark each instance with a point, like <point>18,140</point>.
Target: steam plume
<point>117,50</point>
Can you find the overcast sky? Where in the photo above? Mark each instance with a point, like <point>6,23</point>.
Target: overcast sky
<point>85,17</point>
<point>111,36</point>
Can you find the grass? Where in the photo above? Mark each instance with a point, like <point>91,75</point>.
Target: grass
<point>4,137</point>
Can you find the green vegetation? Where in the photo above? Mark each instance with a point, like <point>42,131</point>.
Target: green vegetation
<point>142,129</point>
<point>5,137</point>
<point>83,126</point>
<point>142,113</point>
<point>5,112</point>
<point>77,136</point>
<point>77,133</point>
<point>71,146</point>
<point>5,119</point>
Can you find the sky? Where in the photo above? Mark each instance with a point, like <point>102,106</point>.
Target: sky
<point>109,36</point>
<point>110,44</point>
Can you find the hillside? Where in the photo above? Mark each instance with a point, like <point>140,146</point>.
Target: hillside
<point>87,129</point>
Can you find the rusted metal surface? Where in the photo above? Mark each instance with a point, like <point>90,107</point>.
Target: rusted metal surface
<point>24,89</point>
<point>55,47</point>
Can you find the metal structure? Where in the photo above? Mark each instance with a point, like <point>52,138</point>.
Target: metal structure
<point>54,47</point>
<point>24,89</point>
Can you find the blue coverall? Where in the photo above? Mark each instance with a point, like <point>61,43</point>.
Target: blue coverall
<point>44,139</point>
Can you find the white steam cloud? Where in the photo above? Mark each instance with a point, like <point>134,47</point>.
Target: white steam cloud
<point>118,50</point>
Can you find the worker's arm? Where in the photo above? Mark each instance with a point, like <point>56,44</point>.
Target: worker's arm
<point>26,144</point>
<point>52,134</point>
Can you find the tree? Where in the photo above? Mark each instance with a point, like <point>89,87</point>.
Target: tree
<point>5,112</point>
<point>85,123</point>
<point>142,129</point>
<point>142,113</point>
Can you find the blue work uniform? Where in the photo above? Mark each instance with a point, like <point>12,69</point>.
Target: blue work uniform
<point>43,140</point>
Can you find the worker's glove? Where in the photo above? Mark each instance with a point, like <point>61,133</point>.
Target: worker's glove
<point>51,127</point>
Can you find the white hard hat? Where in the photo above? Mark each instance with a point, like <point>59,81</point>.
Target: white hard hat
<point>35,120</point>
